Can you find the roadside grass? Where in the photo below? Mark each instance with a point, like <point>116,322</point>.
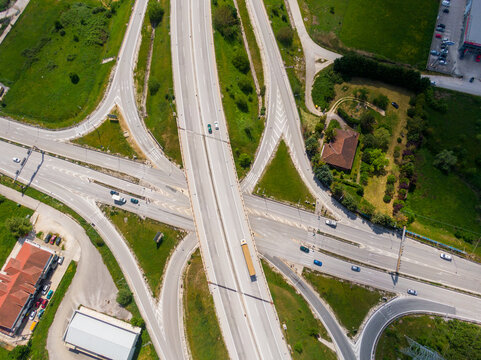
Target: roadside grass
<point>240,107</point>
<point>141,65</point>
<point>140,234</point>
<point>293,311</point>
<point>281,181</point>
<point>350,302</point>
<point>38,349</point>
<point>145,350</point>
<point>402,30</point>
<point>160,104</point>
<point>9,209</point>
<point>452,339</point>
<point>200,320</point>
<point>36,60</point>
<point>109,137</point>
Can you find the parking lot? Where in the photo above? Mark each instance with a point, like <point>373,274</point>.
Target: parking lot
<point>450,36</point>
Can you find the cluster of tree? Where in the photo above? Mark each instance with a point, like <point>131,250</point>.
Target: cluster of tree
<point>124,297</point>
<point>18,226</point>
<point>354,65</point>
<point>226,21</point>
<point>323,88</point>
<point>156,13</point>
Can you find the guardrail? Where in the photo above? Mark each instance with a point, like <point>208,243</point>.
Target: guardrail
<point>434,242</point>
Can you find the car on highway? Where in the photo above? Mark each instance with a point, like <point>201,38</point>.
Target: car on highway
<point>355,268</point>
<point>445,256</point>
<point>60,260</point>
<point>47,238</point>
<point>305,249</point>
<point>52,239</point>
<point>45,289</point>
<point>331,223</point>
<point>44,303</point>
<point>32,314</point>
<point>412,292</point>
<point>57,242</point>
<point>49,295</point>
<point>16,160</point>
<point>216,125</point>
<point>209,128</point>
<point>134,201</point>
<point>395,105</point>
<point>317,262</point>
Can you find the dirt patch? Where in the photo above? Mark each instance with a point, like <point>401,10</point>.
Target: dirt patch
<point>127,134</point>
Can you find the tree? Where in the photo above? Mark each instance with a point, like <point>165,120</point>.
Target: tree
<point>330,134</point>
<point>18,226</point>
<point>242,105</point>
<point>226,21</point>
<point>137,321</point>
<point>241,62</point>
<point>367,122</point>
<point>156,13</point>
<point>74,78</point>
<point>445,161</point>
<point>20,352</point>
<point>285,35</point>
<point>382,219</point>
<point>376,159</point>
<point>245,85</point>
<point>245,160</point>
<point>324,175</point>
<point>382,101</point>
<point>383,138</point>
<point>124,297</point>
<point>349,202</point>
<point>154,86</point>
<point>312,146</point>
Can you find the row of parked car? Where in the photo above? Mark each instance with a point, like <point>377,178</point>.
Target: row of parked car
<point>40,305</point>
<point>52,239</point>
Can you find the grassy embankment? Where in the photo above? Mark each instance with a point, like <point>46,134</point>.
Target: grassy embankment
<point>239,99</point>
<point>453,339</point>
<point>350,302</point>
<point>401,30</point>
<point>51,60</point>
<point>140,235</point>
<point>281,181</point>
<point>201,324</point>
<point>302,328</point>
<point>145,349</point>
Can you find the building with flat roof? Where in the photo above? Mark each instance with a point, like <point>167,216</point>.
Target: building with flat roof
<point>471,34</point>
<point>101,336</point>
<point>340,152</point>
<point>20,280</point>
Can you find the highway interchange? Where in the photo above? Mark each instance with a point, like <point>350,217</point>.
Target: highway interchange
<point>206,199</point>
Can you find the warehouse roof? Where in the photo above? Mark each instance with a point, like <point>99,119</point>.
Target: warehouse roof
<point>101,335</point>
<point>472,33</point>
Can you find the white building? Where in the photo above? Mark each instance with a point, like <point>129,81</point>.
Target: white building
<point>101,336</point>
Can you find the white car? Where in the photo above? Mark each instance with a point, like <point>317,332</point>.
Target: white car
<point>331,223</point>
<point>446,3</point>
<point>412,292</point>
<point>32,315</point>
<point>16,159</point>
<point>216,124</point>
<point>446,257</point>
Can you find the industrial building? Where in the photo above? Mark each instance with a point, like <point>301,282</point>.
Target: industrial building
<point>101,336</point>
<point>471,34</point>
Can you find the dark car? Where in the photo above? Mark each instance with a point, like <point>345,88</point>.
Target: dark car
<point>134,201</point>
<point>395,105</point>
<point>317,262</point>
<point>471,80</point>
<point>47,238</point>
<point>52,240</point>
<point>355,268</point>
<point>442,26</point>
<point>303,248</point>
<point>446,11</point>
<point>57,242</point>
<point>113,192</point>
<point>209,127</point>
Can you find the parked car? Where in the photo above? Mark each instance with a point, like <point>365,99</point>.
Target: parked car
<point>442,62</point>
<point>113,192</point>
<point>216,125</point>
<point>16,160</point>
<point>438,36</point>
<point>134,201</point>
<point>331,223</point>
<point>32,314</point>
<point>57,242</point>
<point>44,303</point>
<point>40,313</point>
<point>446,3</point>
<point>446,257</point>
<point>442,26</point>
<point>395,105</point>
<point>37,304</point>
<point>478,58</point>
<point>45,289</point>
<point>209,128</point>
<point>317,262</point>
<point>412,292</point>
<point>47,238</point>
<point>471,80</point>
<point>446,11</point>
<point>303,248</point>
<point>50,293</point>
<point>434,52</point>
<point>52,239</point>
<point>440,29</point>
<point>355,268</point>
<point>60,260</point>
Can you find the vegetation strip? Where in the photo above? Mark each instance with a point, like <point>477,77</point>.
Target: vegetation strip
<point>201,324</point>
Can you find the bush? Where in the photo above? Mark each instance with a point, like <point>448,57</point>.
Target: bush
<point>241,62</point>
<point>391,179</point>
<point>245,160</point>
<point>156,13</point>
<point>312,146</point>
<point>154,86</point>
<point>20,352</point>
<point>382,101</point>
<point>367,122</point>
<point>382,219</point>
<point>137,321</point>
<point>245,86</point>
<point>285,36</point>
<point>445,161</point>
<point>298,347</point>
<point>124,297</point>
<point>346,117</point>
<point>242,105</point>
<point>349,202</point>
<point>74,78</point>
<point>324,175</point>
<point>226,22</point>
<point>18,226</point>
<point>387,198</point>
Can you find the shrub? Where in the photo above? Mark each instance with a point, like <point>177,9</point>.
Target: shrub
<point>312,146</point>
<point>445,161</point>
<point>387,198</point>
<point>154,86</point>
<point>391,179</point>
<point>18,226</point>
<point>241,62</point>
<point>347,118</point>
<point>367,122</point>
<point>298,347</point>
<point>382,101</point>
<point>226,22</point>
<point>137,321</point>
<point>124,297</point>
<point>74,78</point>
<point>20,352</point>
<point>242,105</point>
<point>245,86</point>
<point>390,189</point>
<point>245,160</point>
<point>382,219</point>
<point>285,36</point>
<point>156,13</point>
<point>349,202</point>
<point>324,175</point>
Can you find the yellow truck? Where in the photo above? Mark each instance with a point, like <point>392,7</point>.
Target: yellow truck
<point>247,256</point>
<point>33,325</point>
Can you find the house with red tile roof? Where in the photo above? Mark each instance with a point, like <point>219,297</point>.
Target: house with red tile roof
<point>340,152</point>
<point>20,280</point>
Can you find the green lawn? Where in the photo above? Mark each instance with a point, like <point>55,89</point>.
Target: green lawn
<point>302,326</point>
<point>244,126</point>
<point>282,181</point>
<point>140,236</point>
<point>39,55</point>
<point>141,66</point>
<point>398,30</point>
<point>160,106</point>
<point>350,302</point>
<point>453,340</point>
<point>109,137</point>
<point>201,325</point>
<point>9,209</point>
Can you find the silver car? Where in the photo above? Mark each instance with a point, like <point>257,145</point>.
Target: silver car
<point>446,257</point>
<point>331,223</point>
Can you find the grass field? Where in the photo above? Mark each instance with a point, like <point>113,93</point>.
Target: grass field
<point>160,106</point>
<point>350,302</point>
<point>9,209</point>
<point>48,44</point>
<point>302,327</point>
<point>140,236</point>
<point>141,66</point>
<point>109,137</point>
<point>201,324</point>
<point>398,30</point>
<point>453,340</point>
<point>244,125</point>
<point>282,181</point>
